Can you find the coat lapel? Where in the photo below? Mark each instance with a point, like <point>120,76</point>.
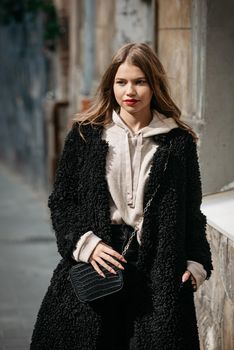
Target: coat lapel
<point>160,162</point>
<point>158,167</point>
<point>97,152</point>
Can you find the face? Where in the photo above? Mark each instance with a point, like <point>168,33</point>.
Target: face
<point>131,89</point>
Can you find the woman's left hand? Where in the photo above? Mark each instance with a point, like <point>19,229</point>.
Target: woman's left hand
<point>188,275</point>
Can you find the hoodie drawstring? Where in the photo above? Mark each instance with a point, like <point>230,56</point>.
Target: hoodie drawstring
<point>132,179</point>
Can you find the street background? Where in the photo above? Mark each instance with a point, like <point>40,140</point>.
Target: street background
<point>27,257</point>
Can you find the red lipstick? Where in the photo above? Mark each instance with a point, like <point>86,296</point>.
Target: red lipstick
<point>130,101</point>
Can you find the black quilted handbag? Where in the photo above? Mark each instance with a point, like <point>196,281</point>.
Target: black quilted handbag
<point>87,282</point>
<point>89,285</point>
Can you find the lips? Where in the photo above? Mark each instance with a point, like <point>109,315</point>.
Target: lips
<point>130,101</point>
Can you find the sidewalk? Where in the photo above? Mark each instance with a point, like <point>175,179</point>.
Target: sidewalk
<point>28,255</point>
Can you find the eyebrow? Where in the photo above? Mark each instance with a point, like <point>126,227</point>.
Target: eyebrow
<point>119,78</point>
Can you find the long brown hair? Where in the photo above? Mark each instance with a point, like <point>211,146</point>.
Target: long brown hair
<point>142,56</point>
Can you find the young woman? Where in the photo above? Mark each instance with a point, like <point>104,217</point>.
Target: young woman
<point>129,148</point>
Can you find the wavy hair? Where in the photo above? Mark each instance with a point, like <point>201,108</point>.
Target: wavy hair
<point>142,56</point>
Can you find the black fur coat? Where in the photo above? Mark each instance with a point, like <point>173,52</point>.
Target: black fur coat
<point>173,232</point>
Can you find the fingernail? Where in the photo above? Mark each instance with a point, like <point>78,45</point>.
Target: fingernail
<point>103,276</point>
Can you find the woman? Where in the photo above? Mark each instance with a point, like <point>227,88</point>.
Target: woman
<point>129,148</point>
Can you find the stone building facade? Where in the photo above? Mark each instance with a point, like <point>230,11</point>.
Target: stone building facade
<point>183,34</point>
<point>193,38</point>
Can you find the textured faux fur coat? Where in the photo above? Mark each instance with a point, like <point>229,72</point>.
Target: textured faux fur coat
<point>173,232</point>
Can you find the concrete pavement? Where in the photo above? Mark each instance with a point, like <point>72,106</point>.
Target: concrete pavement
<point>28,255</point>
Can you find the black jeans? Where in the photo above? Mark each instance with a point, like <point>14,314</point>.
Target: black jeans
<point>117,310</point>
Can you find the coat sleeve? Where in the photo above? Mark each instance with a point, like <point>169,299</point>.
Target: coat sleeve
<point>197,246</point>
<point>67,215</point>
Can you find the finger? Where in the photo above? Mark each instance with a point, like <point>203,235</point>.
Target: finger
<point>102,262</point>
<point>111,260</point>
<point>97,268</point>
<point>186,276</point>
<point>110,251</point>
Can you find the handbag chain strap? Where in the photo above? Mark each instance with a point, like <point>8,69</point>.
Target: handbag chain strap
<point>136,229</point>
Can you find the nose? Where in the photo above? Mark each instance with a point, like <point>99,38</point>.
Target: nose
<point>130,90</point>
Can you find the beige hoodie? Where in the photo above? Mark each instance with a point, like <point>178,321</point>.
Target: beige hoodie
<point>127,168</point>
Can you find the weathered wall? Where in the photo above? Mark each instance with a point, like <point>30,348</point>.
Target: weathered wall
<point>215,298</point>
<point>134,21</point>
<point>61,56</point>
<point>100,27</point>
<point>23,82</point>
<point>91,36</point>
<point>75,46</point>
<point>105,32</point>
<point>175,50</point>
<point>195,44</point>
<point>218,142</point>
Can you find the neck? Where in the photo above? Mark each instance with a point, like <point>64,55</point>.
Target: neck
<point>136,121</point>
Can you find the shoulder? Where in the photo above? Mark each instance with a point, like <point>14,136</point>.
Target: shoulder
<point>80,133</point>
<point>178,137</point>
<point>180,134</point>
<point>182,138</point>
<point>181,143</point>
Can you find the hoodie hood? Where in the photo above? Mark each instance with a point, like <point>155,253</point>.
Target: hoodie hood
<point>133,150</point>
<point>155,127</point>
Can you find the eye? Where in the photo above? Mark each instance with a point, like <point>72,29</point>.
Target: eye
<point>141,82</point>
<point>120,82</point>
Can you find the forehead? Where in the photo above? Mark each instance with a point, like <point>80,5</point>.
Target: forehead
<point>129,71</point>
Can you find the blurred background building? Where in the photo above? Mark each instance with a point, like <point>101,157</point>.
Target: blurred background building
<point>52,55</point>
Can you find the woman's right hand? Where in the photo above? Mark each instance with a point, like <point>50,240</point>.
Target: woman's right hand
<point>103,253</point>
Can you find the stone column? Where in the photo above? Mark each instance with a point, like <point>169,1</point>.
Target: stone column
<point>75,45</point>
<point>175,50</point>
<point>105,32</point>
<point>61,59</point>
